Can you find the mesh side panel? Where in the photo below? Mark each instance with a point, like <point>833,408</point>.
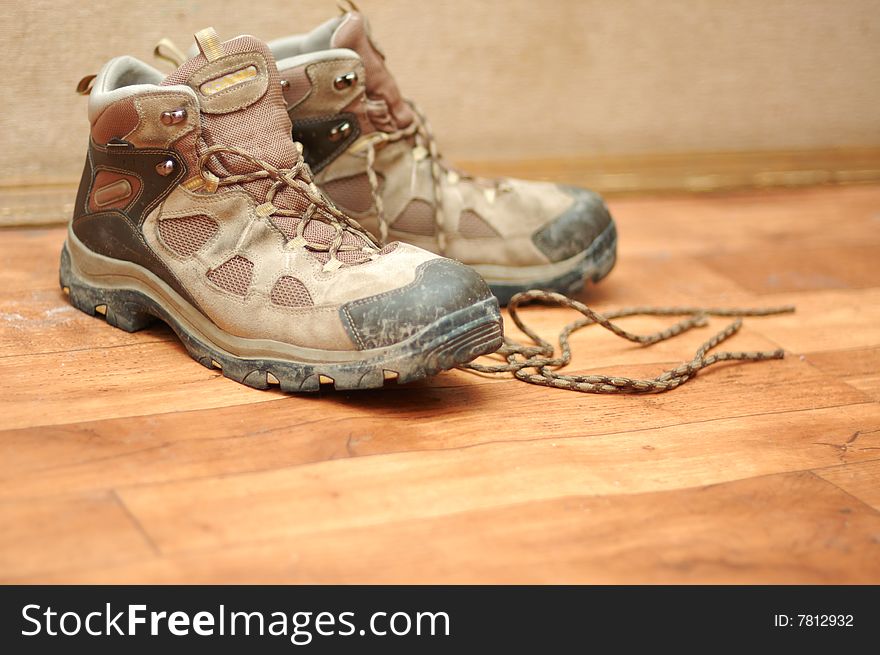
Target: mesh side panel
<point>286,224</point>
<point>472,226</point>
<point>290,292</point>
<point>416,218</point>
<point>348,238</point>
<point>348,257</point>
<point>188,234</point>
<point>353,257</point>
<point>116,121</point>
<point>351,192</point>
<point>233,275</point>
<point>317,232</point>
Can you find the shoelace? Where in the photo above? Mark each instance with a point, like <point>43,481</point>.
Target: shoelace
<point>421,129</point>
<point>298,176</point>
<point>535,364</point>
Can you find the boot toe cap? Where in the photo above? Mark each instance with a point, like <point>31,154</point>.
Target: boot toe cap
<point>576,228</point>
<point>441,288</point>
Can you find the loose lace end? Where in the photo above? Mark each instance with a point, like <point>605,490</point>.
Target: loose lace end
<point>535,364</point>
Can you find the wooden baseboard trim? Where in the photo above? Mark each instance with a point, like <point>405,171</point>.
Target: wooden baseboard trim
<point>697,172</point>
<point>31,203</point>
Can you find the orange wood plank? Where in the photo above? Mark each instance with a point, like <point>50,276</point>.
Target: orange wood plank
<point>862,480</point>
<point>146,378</point>
<point>734,222</point>
<point>468,478</point>
<point>89,530</point>
<point>825,320</point>
<point>29,259</point>
<point>775,269</point>
<point>859,367</point>
<point>42,321</point>
<point>153,448</point>
<point>788,528</point>
<point>216,512</point>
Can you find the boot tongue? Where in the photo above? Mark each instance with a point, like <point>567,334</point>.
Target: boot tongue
<point>240,98</point>
<point>242,106</point>
<point>353,33</point>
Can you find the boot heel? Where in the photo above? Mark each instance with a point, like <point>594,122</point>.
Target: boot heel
<point>121,308</point>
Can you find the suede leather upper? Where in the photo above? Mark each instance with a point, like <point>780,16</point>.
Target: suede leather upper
<point>257,256</point>
<point>507,222</point>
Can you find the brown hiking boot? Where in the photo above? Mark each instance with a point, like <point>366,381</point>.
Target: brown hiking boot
<point>373,153</point>
<point>196,208</point>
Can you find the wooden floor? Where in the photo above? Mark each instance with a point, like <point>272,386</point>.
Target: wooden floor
<point>122,460</point>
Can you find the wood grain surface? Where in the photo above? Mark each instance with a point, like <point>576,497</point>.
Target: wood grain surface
<point>122,460</point>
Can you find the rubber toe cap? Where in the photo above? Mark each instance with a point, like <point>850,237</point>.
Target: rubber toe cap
<point>441,287</point>
<point>576,228</point>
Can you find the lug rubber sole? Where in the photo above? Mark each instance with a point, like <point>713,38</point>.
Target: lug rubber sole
<point>453,340</point>
<point>593,264</point>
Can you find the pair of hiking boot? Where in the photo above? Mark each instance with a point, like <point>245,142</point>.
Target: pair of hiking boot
<point>237,200</point>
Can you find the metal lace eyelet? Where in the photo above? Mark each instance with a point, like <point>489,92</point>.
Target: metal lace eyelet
<point>285,85</point>
<point>340,131</point>
<point>345,81</point>
<point>173,117</point>
<point>165,168</point>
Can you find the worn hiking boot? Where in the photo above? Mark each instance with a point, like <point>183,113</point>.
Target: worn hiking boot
<point>196,208</point>
<point>373,153</point>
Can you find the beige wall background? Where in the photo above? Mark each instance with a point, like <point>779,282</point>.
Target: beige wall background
<point>501,78</point>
